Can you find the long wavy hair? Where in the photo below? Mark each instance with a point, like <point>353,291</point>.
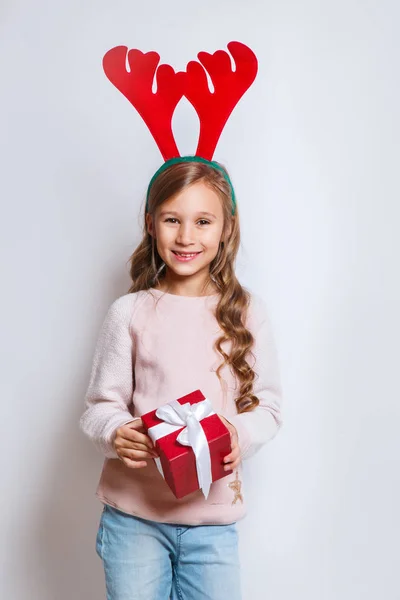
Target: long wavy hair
<point>147,269</point>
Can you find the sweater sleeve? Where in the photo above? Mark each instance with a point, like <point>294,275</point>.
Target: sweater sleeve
<point>111,384</point>
<point>260,425</point>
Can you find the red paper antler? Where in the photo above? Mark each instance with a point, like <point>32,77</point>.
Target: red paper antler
<point>156,109</point>
<point>214,108</point>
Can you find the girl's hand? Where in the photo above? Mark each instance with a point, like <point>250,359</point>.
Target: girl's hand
<point>133,446</point>
<point>233,460</point>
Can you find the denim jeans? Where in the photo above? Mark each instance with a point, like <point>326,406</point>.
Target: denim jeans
<point>145,560</point>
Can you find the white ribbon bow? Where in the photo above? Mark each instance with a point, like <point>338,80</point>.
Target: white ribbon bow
<point>175,416</point>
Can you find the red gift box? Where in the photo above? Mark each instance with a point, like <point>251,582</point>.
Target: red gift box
<point>178,461</point>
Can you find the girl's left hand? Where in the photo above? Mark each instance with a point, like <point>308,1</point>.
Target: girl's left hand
<point>233,459</point>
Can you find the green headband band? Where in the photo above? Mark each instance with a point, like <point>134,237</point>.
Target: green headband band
<point>181,159</point>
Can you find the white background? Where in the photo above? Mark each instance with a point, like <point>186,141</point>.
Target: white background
<point>313,148</point>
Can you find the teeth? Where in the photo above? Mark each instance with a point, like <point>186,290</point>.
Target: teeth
<point>186,255</point>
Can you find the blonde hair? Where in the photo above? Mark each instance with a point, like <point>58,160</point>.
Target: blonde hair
<point>147,269</point>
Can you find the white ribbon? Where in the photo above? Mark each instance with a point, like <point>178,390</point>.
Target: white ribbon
<point>175,416</point>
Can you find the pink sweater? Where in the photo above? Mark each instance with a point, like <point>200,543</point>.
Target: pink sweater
<point>155,347</point>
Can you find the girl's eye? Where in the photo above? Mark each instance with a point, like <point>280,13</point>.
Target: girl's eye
<point>173,219</point>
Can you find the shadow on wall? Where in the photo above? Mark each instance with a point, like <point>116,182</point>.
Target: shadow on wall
<point>62,541</point>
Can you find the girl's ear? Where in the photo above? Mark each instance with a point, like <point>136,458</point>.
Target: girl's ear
<point>228,231</point>
<point>150,224</point>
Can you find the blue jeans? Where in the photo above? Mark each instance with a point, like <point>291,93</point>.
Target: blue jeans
<point>145,560</point>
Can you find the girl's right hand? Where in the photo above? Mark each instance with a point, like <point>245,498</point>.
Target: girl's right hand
<point>133,446</point>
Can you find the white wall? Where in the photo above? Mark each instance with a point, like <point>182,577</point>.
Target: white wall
<point>316,175</point>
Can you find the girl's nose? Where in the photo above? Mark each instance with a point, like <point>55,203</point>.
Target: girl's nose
<point>184,234</point>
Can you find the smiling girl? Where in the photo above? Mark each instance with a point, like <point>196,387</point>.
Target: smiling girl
<point>186,323</point>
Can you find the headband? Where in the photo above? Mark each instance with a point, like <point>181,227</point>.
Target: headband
<point>157,108</point>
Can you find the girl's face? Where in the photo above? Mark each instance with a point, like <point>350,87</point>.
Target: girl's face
<point>188,229</point>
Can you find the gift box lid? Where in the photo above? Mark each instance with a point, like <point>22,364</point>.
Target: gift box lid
<point>213,426</point>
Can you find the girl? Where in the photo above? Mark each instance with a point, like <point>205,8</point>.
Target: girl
<point>185,324</point>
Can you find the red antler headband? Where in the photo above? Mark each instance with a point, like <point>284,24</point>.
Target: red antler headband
<point>157,108</point>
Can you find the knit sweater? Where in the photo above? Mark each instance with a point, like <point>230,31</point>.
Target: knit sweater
<point>155,347</point>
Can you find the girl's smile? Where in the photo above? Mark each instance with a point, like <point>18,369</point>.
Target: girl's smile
<point>185,256</point>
